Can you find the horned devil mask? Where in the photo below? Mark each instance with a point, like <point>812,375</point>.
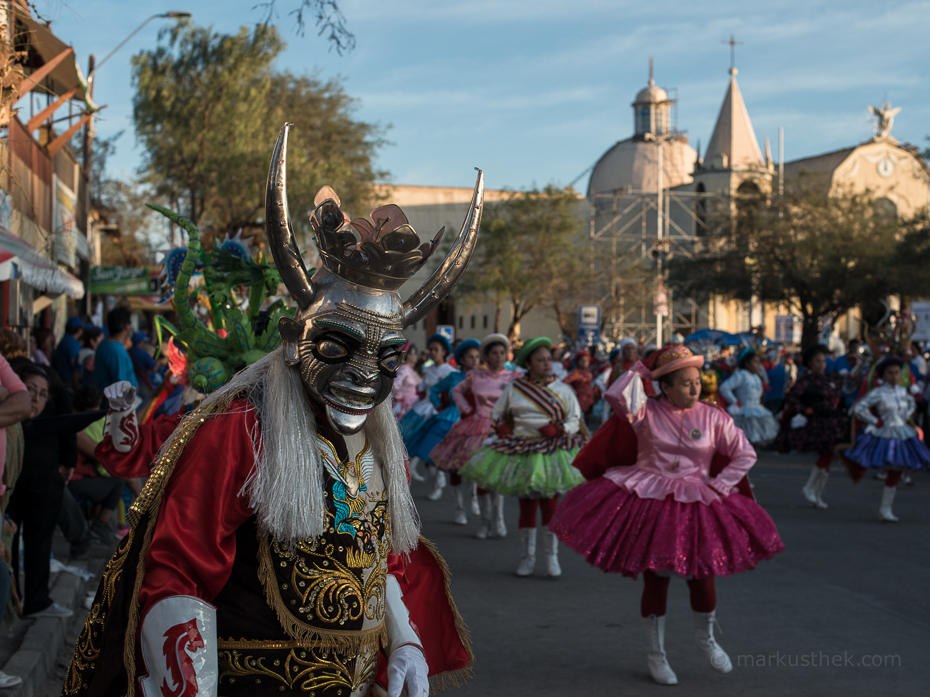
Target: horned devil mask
<point>347,336</point>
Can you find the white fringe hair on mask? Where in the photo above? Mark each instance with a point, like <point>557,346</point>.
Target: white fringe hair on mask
<point>286,487</point>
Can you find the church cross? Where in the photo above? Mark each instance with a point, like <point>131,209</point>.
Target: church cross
<point>733,43</point>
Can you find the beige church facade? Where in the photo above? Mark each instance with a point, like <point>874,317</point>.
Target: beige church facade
<point>645,200</point>
<point>668,216</point>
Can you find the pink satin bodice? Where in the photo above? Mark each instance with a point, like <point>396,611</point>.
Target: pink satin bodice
<point>477,394</point>
<point>676,446</point>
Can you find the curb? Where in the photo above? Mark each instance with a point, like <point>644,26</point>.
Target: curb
<point>34,661</point>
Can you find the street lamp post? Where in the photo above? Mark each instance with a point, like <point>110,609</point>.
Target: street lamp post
<point>89,128</point>
<point>166,15</point>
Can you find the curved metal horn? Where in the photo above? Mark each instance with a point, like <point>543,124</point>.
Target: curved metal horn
<point>278,227</point>
<point>447,274</point>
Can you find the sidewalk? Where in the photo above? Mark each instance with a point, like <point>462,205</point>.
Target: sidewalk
<point>39,650</point>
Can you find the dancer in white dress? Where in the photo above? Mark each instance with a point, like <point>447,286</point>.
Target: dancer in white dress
<point>743,392</point>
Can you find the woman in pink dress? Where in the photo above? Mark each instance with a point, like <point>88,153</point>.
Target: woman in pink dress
<point>404,393</point>
<point>475,397</point>
<point>667,514</point>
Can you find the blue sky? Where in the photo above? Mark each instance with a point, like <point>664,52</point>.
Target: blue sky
<point>534,91</point>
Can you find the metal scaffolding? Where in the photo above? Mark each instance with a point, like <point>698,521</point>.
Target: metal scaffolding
<point>647,228</point>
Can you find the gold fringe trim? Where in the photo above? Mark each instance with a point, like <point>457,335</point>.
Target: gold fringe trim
<point>452,679</point>
<point>149,501</point>
<point>307,635</point>
<point>256,644</point>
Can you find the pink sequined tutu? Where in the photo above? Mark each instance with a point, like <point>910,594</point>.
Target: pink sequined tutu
<point>619,532</point>
<point>461,443</point>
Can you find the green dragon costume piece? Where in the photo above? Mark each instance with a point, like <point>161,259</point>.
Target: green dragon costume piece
<point>241,336</point>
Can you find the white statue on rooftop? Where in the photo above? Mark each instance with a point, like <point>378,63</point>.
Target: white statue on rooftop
<point>885,115</point>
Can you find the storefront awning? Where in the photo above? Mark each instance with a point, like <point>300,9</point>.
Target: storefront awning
<point>66,75</point>
<point>19,260</point>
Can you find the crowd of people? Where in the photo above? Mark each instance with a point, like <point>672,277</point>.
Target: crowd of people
<point>649,449</point>
<point>52,415</point>
<point>636,458</point>
<point>304,547</point>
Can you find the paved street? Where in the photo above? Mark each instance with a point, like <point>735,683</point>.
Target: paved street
<point>847,590</point>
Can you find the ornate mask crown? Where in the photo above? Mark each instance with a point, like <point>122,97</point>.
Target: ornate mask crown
<point>347,335</point>
<point>383,252</point>
<point>380,254</point>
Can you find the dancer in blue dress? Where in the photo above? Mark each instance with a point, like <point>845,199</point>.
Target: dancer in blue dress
<point>888,441</point>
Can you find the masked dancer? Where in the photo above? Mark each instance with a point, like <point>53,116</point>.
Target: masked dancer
<point>674,511</point>
<point>285,489</point>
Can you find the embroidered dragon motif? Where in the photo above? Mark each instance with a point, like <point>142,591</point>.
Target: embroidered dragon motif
<point>180,639</point>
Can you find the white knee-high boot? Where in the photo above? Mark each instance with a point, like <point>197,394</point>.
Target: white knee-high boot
<point>704,636</point>
<point>460,517</point>
<point>475,506</point>
<point>527,552</point>
<point>497,509</point>
<point>439,483</point>
<point>884,511</point>
<point>414,466</point>
<point>551,548</point>
<point>659,668</point>
<point>484,530</point>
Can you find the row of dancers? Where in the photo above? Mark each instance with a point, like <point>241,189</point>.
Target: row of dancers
<point>660,489</point>
<point>875,434</point>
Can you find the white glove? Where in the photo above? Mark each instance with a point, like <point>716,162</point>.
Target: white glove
<point>121,395</point>
<point>121,424</point>
<point>914,389</point>
<point>871,429</point>
<point>798,421</point>
<point>734,410</point>
<point>407,668</point>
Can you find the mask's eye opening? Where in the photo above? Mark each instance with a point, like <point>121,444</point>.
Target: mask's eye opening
<point>330,350</point>
<point>391,363</point>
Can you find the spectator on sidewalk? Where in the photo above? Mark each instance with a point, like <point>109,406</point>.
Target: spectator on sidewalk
<point>85,360</point>
<point>143,362</point>
<point>14,407</point>
<point>90,481</point>
<point>44,340</point>
<point>64,359</point>
<point>36,501</point>
<point>111,361</point>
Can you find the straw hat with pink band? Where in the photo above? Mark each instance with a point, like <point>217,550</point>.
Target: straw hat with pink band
<point>673,358</point>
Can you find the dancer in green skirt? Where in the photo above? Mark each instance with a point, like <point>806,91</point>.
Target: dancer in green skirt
<point>538,431</point>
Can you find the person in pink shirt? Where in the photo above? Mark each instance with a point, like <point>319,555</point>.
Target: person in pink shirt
<point>667,513</point>
<point>475,397</point>
<point>15,406</point>
<point>404,393</point>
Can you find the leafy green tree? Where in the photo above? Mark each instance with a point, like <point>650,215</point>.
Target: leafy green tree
<point>207,110</point>
<point>527,253</point>
<point>819,253</point>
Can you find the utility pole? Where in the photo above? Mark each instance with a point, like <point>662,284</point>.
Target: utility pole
<point>781,160</point>
<point>88,144</point>
<point>659,228</point>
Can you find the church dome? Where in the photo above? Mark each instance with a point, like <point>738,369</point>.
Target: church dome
<point>651,95</point>
<point>632,166</point>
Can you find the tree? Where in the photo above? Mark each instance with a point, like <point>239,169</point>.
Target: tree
<point>208,108</point>
<point>526,253</point>
<point>818,253</point>
<point>326,16</point>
